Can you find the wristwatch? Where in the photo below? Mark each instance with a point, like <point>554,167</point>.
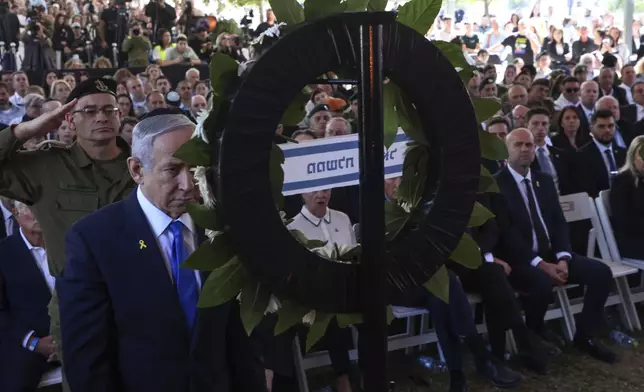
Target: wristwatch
<point>33,344</point>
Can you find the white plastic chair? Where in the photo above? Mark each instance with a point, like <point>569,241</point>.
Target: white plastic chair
<point>579,207</point>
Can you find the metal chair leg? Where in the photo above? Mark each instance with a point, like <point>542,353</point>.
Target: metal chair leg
<point>569,318</point>
<point>299,366</point>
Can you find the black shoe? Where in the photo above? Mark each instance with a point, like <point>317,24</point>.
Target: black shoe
<point>535,354</point>
<point>457,382</point>
<point>595,348</point>
<point>497,373</point>
<point>553,342</point>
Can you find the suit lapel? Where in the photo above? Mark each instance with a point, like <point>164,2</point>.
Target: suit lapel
<point>515,197</point>
<point>201,238</point>
<point>24,257</point>
<point>599,161</point>
<point>150,264</point>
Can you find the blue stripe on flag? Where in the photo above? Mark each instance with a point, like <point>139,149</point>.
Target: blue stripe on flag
<point>333,180</point>
<point>310,150</point>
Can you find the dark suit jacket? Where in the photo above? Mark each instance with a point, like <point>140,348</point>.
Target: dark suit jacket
<point>598,179</point>
<point>628,113</point>
<point>569,174</point>
<point>618,93</point>
<point>628,214</point>
<point>24,297</point>
<point>560,140</point>
<point>513,214</point>
<point>640,51</point>
<point>584,124</point>
<point>122,324</point>
<point>627,130</point>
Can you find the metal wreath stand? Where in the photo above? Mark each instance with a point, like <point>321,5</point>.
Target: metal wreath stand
<point>375,46</point>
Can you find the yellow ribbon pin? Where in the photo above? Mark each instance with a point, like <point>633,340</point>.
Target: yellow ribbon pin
<point>142,244</point>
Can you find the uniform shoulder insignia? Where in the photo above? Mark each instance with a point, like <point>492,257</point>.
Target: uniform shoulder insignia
<point>49,144</point>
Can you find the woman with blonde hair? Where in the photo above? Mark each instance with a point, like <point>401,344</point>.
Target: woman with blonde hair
<point>627,203</point>
<point>102,62</point>
<point>60,90</point>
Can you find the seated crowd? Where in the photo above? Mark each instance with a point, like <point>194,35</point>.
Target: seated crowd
<point>96,227</point>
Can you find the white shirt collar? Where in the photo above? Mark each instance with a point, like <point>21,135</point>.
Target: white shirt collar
<point>27,243</point>
<point>314,219</point>
<point>6,214</point>
<point>518,178</point>
<point>587,111</point>
<point>159,220</point>
<point>602,148</point>
<point>639,107</point>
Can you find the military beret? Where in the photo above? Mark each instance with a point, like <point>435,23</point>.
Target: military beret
<point>93,86</point>
<point>318,108</point>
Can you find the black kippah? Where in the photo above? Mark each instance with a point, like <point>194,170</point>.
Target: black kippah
<point>93,86</point>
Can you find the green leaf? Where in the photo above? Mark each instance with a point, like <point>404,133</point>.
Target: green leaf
<point>223,284</point>
<point>467,253</point>
<point>223,72</point>
<point>356,5</point>
<point>288,11</point>
<point>317,330</point>
<point>409,120</point>
<point>312,244</point>
<point>347,319</point>
<point>295,112</point>
<point>299,236</point>
<point>320,8</point>
<point>492,147</point>
<point>485,108</point>
<point>254,301</point>
<point>419,14</point>
<point>412,186</point>
<point>466,74</point>
<point>351,254</point>
<point>211,254</point>
<point>487,183</point>
<point>390,95</point>
<point>395,219</point>
<point>439,284</point>
<point>390,314</point>
<point>204,217</point>
<point>194,152</point>
<point>480,215</point>
<point>377,5</point>
<point>454,54</point>
<point>289,314</point>
<point>277,174</point>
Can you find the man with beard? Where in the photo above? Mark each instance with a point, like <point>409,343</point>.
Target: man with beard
<point>62,185</point>
<point>602,155</point>
<point>129,313</point>
<point>8,111</point>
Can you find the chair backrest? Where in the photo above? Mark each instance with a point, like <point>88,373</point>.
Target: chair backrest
<point>580,206</point>
<point>603,211</point>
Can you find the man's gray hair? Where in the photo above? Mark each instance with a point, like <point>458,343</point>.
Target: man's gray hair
<point>192,70</point>
<point>33,99</point>
<point>603,99</point>
<point>147,131</point>
<point>19,206</point>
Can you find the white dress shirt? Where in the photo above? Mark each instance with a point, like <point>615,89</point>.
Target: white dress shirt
<point>6,220</point>
<point>602,150</point>
<point>629,94</point>
<point>40,257</point>
<point>640,112</point>
<point>17,100</point>
<point>334,227</point>
<point>518,178</point>
<point>160,225</point>
<point>588,113</point>
<point>562,102</point>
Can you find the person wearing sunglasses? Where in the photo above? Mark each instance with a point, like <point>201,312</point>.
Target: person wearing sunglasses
<point>569,93</point>
<point>62,185</point>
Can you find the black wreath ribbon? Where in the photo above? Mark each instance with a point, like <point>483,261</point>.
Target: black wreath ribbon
<point>269,252</point>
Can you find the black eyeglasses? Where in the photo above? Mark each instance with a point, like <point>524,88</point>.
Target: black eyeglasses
<point>91,111</point>
<point>572,90</point>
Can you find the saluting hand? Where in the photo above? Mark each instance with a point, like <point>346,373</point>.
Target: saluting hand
<point>44,124</point>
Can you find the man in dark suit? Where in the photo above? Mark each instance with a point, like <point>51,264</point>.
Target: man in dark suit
<point>529,201</point>
<point>500,127</point>
<point>589,96</point>
<point>557,163</point>
<point>624,132</point>
<point>129,313</point>
<point>638,40</point>
<point>602,156</point>
<point>26,348</point>
<point>609,88</point>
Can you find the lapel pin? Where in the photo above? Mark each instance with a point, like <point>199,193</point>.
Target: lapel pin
<point>537,184</point>
<point>142,244</point>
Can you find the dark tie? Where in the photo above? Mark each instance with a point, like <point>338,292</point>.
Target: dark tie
<point>543,243</point>
<point>184,279</point>
<point>611,162</point>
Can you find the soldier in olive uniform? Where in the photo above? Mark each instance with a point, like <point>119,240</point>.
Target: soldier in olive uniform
<point>64,184</point>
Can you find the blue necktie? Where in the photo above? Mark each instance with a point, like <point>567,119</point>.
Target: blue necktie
<point>611,162</point>
<point>184,279</point>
